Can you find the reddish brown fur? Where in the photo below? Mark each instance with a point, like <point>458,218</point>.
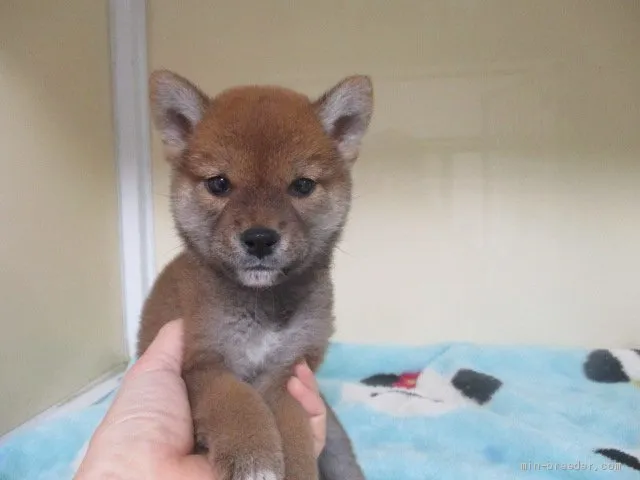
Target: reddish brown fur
<point>261,139</point>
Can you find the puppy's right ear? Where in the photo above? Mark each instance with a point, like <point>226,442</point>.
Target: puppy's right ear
<point>176,107</point>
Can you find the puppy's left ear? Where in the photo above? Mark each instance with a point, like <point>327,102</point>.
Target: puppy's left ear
<point>345,112</point>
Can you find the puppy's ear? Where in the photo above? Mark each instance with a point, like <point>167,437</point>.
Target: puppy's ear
<point>345,112</point>
<point>176,107</point>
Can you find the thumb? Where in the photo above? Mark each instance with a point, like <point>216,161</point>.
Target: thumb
<point>165,352</point>
<point>152,393</point>
<point>155,378</point>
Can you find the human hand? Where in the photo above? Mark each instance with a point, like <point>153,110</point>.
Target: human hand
<point>148,430</point>
<point>304,388</point>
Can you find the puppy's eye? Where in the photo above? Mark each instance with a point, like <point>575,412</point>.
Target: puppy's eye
<point>302,187</point>
<point>218,185</point>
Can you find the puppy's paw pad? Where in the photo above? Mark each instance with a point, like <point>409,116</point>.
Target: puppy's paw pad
<point>257,475</point>
<point>252,470</point>
<point>263,475</point>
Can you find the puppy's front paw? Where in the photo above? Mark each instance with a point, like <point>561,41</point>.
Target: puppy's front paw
<point>250,467</point>
<point>248,471</point>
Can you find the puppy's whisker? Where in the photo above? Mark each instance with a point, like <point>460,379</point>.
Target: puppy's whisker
<point>344,251</point>
<point>171,250</point>
<point>255,310</point>
<point>273,303</point>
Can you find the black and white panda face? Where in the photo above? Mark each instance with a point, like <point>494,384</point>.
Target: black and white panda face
<point>425,393</point>
<point>629,458</point>
<point>613,366</point>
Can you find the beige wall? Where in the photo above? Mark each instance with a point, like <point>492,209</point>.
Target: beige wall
<point>498,195</point>
<point>59,261</point>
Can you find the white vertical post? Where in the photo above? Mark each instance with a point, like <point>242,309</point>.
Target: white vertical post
<point>133,157</point>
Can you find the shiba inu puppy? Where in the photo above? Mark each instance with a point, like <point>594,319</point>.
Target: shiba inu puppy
<point>260,192</point>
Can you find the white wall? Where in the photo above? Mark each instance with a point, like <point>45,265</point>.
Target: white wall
<point>498,193</point>
<point>60,304</point>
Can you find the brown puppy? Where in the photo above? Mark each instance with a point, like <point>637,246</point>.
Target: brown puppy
<point>261,188</point>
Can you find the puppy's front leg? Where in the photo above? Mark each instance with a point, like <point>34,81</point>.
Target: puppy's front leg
<point>295,432</point>
<point>235,424</point>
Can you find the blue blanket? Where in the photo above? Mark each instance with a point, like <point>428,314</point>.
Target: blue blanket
<point>455,411</point>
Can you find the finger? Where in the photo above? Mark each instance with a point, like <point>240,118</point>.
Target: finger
<point>306,376</point>
<point>314,406</point>
<point>319,431</point>
<point>309,399</point>
<point>152,398</point>
<point>165,352</point>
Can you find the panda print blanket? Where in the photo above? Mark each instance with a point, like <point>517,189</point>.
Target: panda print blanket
<point>464,411</point>
<point>454,411</point>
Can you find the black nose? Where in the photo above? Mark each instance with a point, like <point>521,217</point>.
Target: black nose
<point>259,241</point>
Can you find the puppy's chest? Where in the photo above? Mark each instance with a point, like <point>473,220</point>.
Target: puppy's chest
<point>251,347</point>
